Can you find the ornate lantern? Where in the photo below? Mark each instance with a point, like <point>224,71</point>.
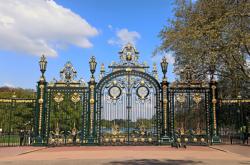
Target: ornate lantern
<point>92,64</point>
<point>164,67</point>
<point>43,65</point>
<point>212,70</point>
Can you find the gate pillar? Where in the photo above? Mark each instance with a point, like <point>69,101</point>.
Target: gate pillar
<point>40,119</point>
<point>91,131</point>
<point>165,103</point>
<point>214,107</point>
<point>165,111</point>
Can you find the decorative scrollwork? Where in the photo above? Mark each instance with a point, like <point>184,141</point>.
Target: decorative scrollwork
<point>68,73</point>
<point>59,97</point>
<point>75,98</point>
<point>142,92</point>
<point>142,129</point>
<point>197,98</point>
<point>115,92</point>
<point>181,98</point>
<point>115,129</point>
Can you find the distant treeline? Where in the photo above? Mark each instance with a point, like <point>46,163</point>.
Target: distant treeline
<point>8,92</point>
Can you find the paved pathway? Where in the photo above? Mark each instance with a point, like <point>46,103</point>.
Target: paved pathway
<point>132,155</point>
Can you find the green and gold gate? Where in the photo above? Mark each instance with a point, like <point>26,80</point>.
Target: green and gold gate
<point>127,106</point>
<point>128,103</point>
<point>61,110</point>
<point>16,121</point>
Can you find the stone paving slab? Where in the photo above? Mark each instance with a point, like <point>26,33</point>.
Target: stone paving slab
<point>243,150</point>
<point>126,155</point>
<point>14,151</point>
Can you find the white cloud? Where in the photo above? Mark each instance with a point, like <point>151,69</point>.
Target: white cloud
<point>169,55</point>
<point>8,85</point>
<point>123,36</point>
<point>40,26</point>
<point>110,27</point>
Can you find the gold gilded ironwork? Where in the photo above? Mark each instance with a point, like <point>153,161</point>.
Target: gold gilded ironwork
<point>165,106</point>
<point>236,101</point>
<point>75,98</point>
<point>181,98</point>
<point>198,130</point>
<point>121,140</point>
<point>114,140</point>
<point>142,129</point>
<point>115,129</point>
<point>197,98</point>
<point>182,130</point>
<point>106,140</point>
<point>58,97</point>
<point>214,106</point>
<point>128,69</point>
<point>40,108</point>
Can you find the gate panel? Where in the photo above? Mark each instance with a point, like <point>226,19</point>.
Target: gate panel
<point>190,115</point>
<point>129,113</point>
<point>143,128</point>
<point>114,113</point>
<point>16,121</point>
<point>65,115</point>
<point>66,109</point>
<point>234,121</point>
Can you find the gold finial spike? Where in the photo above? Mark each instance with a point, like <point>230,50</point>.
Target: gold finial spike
<point>154,71</point>
<point>102,68</point>
<point>154,67</point>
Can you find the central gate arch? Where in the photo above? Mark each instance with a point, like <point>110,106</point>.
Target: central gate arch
<point>128,104</point>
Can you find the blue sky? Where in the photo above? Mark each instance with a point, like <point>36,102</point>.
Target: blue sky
<point>75,31</point>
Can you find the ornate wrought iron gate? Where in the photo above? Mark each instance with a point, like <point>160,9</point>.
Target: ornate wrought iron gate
<point>67,104</point>
<point>190,114</point>
<point>16,121</point>
<point>192,110</point>
<point>234,120</point>
<point>128,104</point>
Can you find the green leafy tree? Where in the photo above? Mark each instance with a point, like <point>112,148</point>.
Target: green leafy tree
<point>211,35</point>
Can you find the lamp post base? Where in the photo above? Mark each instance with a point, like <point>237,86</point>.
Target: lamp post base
<point>38,141</point>
<point>166,140</point>
<point>91,141</point>
<point>216,139</point>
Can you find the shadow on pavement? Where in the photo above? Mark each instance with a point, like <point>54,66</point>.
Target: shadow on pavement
<point>153,162</point>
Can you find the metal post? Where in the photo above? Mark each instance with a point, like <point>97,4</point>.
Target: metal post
<point>214,105</point>
<point>92,104</point>
<point>165,111</point>
<point>91,112</point>
<point>40,115</point>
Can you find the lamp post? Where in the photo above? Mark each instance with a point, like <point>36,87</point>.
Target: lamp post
<point>165,139</point>
<point>164,67</point>
<point>212,70</point>
<point>92,65</point>
<point>41,102</point>
<point>43,65</point>
<point>214,101</point>
<point>92,106</point>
